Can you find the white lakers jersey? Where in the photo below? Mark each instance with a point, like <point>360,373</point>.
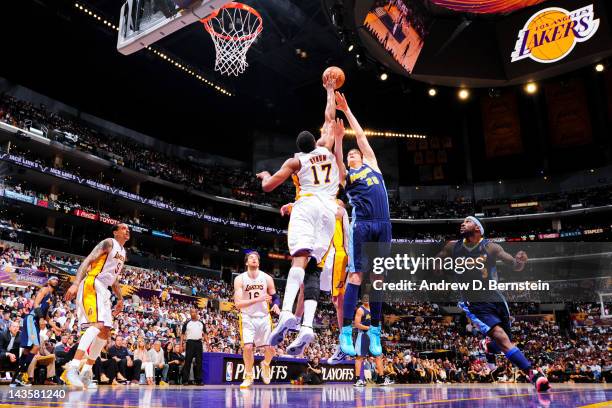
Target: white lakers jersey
<point>106,268</point>
<point>318,174</point>
<point>254,288</point>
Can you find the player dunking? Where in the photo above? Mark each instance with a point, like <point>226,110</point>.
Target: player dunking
<point>492,318</point>
<point>312,222</point>
<point>253,290</point>
<point>371,222</point>
<point>95,274</point>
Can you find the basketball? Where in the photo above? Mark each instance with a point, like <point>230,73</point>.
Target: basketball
<point>335,72</point>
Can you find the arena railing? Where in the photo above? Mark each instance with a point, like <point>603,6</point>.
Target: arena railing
<point>69,176</point>
<point>87,156</point>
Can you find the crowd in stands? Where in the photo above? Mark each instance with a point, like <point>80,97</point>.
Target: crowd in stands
<point>234,182</point>
<point>156,279</point>
<point>422,344</point>
<point>240,183</point>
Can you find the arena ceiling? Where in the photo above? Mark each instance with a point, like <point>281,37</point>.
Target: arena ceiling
<point>56,50</point>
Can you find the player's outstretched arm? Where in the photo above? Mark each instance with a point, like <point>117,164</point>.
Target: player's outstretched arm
<point>104,247</point>
<point>518,261</point>
<point>362,141</point>
<point>327,139</point>
<point>270,182</point>
<point>338,132</point>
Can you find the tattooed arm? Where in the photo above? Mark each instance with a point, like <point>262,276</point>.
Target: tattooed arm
<point>104,247</point>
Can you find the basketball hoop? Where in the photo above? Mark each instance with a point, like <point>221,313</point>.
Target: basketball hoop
<point>233,28</point>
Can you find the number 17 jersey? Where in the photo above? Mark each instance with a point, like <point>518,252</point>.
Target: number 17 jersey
<point>318,174</point>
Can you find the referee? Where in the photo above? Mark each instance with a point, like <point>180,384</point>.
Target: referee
<point>193,330</point>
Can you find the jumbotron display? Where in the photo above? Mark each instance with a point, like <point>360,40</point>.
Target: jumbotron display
<point>486,6</point>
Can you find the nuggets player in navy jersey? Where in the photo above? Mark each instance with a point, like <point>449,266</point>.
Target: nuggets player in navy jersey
<point>371,222</point>
<point>30,332</point>
<point>363,320</point>
<point>492,317</point>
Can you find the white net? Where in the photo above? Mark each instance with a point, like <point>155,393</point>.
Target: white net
<point>233,29</point>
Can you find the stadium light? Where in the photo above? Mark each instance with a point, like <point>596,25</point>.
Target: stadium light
<point>432,92</point>
<point>384,76</point>
<point>463,94</point>
<point>531,88</point>
<point>600,67</point>
<point>351,47</point>
<point>183,67</point>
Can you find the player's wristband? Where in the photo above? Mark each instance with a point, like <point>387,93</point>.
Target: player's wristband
<point>276,300</point>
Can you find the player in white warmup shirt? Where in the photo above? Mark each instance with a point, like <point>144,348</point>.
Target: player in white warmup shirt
<point>313,219</point>
<point>97,272</point>
<point>253,291</point>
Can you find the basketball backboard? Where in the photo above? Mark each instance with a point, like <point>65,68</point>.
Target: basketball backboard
<point>143,22</point>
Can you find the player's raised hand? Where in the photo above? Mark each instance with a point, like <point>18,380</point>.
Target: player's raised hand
<point>520,259</point>
<point>330,83</point>
<point>338,129</point>
<point>341,103</point>
<point>286,209</point>
<point>71,292</point>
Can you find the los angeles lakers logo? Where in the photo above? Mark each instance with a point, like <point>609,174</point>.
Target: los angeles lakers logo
<point>551,34</point>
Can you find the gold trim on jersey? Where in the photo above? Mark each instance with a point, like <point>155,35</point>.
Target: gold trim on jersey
<point>340,258</point>
<point>240,330</point>
<point>90,296</point>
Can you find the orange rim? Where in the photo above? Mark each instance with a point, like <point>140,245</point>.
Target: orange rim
<point>235,5</point>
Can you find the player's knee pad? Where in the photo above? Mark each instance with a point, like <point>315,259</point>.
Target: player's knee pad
<point>312,267</point>
<point>312,286</point>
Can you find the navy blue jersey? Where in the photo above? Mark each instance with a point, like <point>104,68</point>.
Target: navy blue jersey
<point>460,250</point>
<point>367,194</point>
<point>45,304</point>
<point>366,319</point>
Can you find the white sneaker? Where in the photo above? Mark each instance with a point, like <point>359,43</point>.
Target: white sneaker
<point>92,386</point>
<point>360,383</point>
<point>388,381</point>
<point>248,381</point>
<point>266,372</point>
<point>86,378</point>
<point>286,321</point>
<point>71,376</point>
<point>304,337</point>
<point>296,325</point>
<point>337,357</point>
